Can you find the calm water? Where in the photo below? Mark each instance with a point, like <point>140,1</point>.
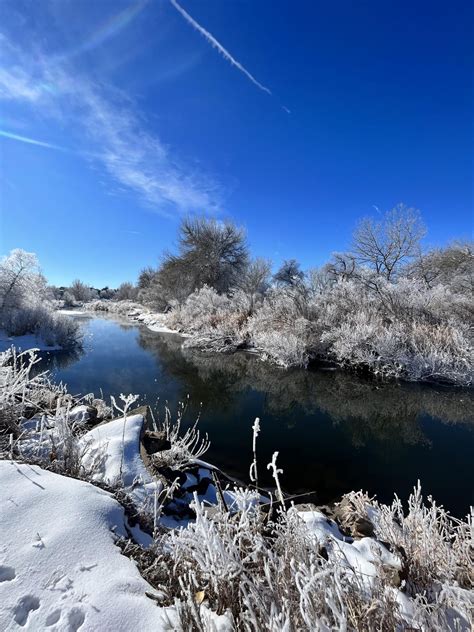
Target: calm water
<point>334,432</point>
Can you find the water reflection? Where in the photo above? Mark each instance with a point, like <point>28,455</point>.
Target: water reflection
<point>334,431</point>
<point>366,409</point>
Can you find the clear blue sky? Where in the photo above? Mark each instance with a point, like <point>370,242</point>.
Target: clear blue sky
<point>142,120</point>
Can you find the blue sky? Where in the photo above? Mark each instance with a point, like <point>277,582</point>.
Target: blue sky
<point>310,116</point>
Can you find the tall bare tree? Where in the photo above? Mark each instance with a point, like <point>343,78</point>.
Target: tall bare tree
<point>385,245</point>
<point>209,253</point>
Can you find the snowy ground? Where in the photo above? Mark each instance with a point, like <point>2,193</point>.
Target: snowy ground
<point>28,341</point>
<point>72,312</point>
<point>113,451</point>
<point>59,566</point>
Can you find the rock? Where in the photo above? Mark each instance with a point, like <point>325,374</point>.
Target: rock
<point>363,527</point>
<point>202,486</point>
<point>83,415</point>
<point>155,441</point>
<point>351,520</point>
<point>171,475</point>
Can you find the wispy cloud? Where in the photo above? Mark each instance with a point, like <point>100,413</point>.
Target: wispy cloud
<point>218,46</point>
<point>114,135</point>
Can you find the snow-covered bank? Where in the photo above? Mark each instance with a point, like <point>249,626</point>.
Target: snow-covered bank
<point>72,312</point>
<point>155,321</point>
<point>59,566</point>
<point>439,352</point>
<point>40,327</point>
<point>27,341</point>
<point>111,452</point>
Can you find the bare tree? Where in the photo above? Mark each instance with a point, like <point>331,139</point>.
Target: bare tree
<point>80,291</point>
<point>210,253</point>
<point>452,266</point>
<point>289,274</point>
<point>19,274</point>
<point>126,292</point>
<point>320,280</point>
<point>255,280</point>
<point>342,266</point>
<point>146,277</point>
<point>387,244</point>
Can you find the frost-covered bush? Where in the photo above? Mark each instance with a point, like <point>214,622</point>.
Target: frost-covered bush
<point>115,307</point>
<point>27,305</point>
<point>81,292</point>
<point>20,280</point>
<point>21,390</point>
<point>451,266</point>
<point>54,329</point>
<point>298,571</point>
<point>282,328</point>
<point>287,349</point>
<point>185,447</point>
<point>214,320</point>
<point>399,330</point>
<point>126,292</point>
<point>402,329</point>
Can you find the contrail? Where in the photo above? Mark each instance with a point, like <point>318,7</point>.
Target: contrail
<point>215,44</point>
<point>30,141</point>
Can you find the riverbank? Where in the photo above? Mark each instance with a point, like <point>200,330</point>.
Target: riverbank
<point>209,324</point>
<point>237,562</point>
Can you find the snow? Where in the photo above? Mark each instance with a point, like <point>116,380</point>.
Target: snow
<point>27,341</point>
<point>59,566</point>
<point>112,451</point>
<point>364,556</point>
<point>154,321</point>
<point>72,312</point>
<point>162,329</point>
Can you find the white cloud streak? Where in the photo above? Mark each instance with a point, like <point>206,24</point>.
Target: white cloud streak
<point>218,46</point>
<point>108,125</point>
<point>29,141</point>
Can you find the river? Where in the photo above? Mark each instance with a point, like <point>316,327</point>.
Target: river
<point>334,431</point>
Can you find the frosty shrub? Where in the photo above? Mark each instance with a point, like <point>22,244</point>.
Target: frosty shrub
<point>122,308</point>
<point>80,291</point>
<point>297,571</point>
<point>126,292</point>
<point>402,330</point>
<point>20,279</point>
<point>186,446</point>
<point>282,328</point>
<point>20,391</point>
<point>285,349</point>
<point>26,304</point>
<point>213,320</point>
<point>54,329</point>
